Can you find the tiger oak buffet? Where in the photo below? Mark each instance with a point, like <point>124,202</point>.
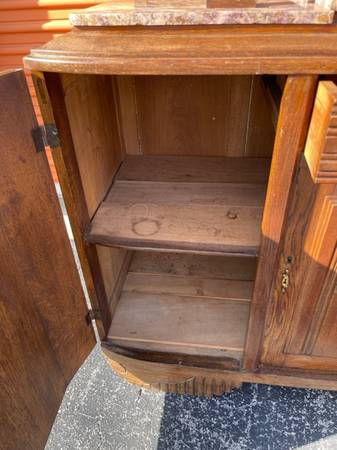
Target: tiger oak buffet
<point>196,148</point>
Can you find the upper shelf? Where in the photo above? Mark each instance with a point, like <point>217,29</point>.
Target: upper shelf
<point>201,12</point>
<point>196,204</point>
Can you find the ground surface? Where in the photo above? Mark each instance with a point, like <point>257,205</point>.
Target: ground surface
<point>101,411</point>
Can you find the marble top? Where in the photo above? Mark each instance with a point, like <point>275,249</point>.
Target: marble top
<point>201,12</point>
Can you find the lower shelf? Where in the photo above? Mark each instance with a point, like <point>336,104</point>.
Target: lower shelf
<point>184,304</point>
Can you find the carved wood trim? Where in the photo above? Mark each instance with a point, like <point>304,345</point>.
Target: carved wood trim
<point>181,378</point>
<point>321,145</point>
<point>169,378</point>
<point>324,300</point>
<point>297,314</point>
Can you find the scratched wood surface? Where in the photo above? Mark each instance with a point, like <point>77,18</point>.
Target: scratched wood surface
<point>195,216</point>
<point>44,334</point>
<point>193,305</point>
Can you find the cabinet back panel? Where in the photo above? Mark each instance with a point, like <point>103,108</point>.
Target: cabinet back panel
<point>196,115</point>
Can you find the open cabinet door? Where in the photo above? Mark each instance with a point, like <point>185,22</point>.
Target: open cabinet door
<point>301,330</point>
<point>44,334</point>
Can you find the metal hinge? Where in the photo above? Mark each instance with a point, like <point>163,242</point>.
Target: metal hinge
<point>93,314</point>
<point>45,136</point>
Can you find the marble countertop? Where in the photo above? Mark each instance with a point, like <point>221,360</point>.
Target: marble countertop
<point>201,12</point>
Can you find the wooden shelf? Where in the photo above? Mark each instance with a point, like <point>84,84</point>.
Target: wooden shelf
<point>192,305</point>
<point>196,204</point>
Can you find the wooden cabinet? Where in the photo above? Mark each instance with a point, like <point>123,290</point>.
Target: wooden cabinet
<point>202,198</point>
<point>301,331</point>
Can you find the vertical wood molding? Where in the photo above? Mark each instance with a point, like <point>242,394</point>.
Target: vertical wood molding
<point>313,268</point>
<point>329,289</point>
<point>296,107</point>
<point>321,145</point>
<point>295,317</point>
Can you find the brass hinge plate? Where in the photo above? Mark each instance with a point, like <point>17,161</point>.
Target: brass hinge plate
<point>45,136</point>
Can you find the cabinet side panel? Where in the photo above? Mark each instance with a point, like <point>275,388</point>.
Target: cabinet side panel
<point>91,107</point>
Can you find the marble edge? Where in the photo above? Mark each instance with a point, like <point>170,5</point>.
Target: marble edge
<point>246,16</point>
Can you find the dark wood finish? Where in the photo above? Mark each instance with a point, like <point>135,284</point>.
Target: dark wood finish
<point>223,362</point>
<point>321,146</point>
<point>44,333</point>
<point>212,50</point>
<point>188,216</point>
<point>296,107</point>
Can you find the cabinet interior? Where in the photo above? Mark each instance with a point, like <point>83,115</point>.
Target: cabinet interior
<point>174,171</point>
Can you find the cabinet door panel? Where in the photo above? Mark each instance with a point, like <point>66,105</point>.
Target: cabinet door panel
<point>44,334</point>
<point>301,329</point>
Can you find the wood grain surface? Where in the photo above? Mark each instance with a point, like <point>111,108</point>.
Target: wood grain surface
<point>181,378</point>
<point>207,217</point>
<point>196,115</point>
<point>254,49</point>
<point>296,107</point>
<point>300,330</point>
<point>321,145</point>
<point>199,307</point>
<point>44,333</point>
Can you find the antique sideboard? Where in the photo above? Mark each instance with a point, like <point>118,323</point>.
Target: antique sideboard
<point>196,149</point>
